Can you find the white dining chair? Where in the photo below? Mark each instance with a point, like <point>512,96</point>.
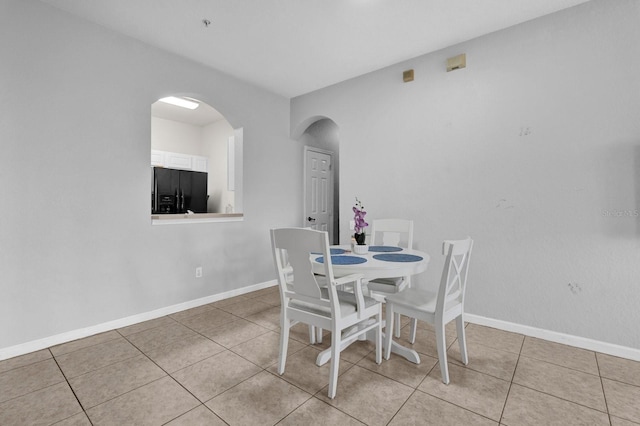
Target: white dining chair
<point>303,299</point>
<point>394,233</point>
<point>438,309</point>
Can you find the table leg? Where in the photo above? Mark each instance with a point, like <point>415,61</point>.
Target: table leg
<point>396,348</point>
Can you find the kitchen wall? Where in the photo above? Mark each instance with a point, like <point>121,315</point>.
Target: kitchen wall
<point>533,149</point>
<point>77,247</point>
<point>174,136</point>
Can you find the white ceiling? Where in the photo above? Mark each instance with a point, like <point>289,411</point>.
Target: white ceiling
<point>292,47</point>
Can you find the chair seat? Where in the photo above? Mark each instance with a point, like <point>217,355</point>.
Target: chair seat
<point>386,285</point>
<point>347,304</point>
<point>424,301</point>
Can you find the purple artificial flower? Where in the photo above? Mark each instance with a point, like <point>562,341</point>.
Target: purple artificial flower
<point>358,217</point>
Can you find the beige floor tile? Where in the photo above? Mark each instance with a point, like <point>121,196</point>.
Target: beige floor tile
<point>423,409</point>
<point>83,343</point>
<point>246,308</point>
<point>183,353</point>
<point>79,419</point>
<point>269,318</point>
<point>208,320</point>
<point>21,361</point>
<point>272,299</point>
<point>235,333</point>
<point>114,380</point>
<point>42,407</point>
<point>400,369</point>
<point>301,370</point>
<point>32,377</point>
<point>494,338</point>
<point>478,392</point>
<point>214,375</point>
<point>565,383</point>
<point>182,315</point>
<point>619,369</point>
<point>527,407</point>
<point>449,329</point>
<point>616,421</point>
<point>262,400</point>
<point>264,350</point>
<point>146,325</point>
<point>367,396</point>
<point>91,358</point>
<point>199,416</point>
<point>154,338</point>
<point>316,412</point>
<point>623,400</point>
<point>556,353</point>
<point>494,362</point>
<point>230,301</point>
<point>153,404</point>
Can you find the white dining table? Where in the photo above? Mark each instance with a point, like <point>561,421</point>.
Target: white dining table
<point>378,262</point>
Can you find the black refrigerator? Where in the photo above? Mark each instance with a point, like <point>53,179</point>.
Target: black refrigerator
<point>176,191</point>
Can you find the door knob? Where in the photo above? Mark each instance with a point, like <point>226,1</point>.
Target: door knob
<point>311,219</point>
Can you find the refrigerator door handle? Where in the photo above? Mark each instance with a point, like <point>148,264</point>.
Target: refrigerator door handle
<point>154,207</point>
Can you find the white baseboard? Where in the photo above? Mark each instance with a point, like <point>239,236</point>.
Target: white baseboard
<point>47,342</point>
<point>566,339</point>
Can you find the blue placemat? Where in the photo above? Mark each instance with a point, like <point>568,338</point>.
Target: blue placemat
<point>343,260</point>
<point>333,251</point>
<point>384,249</point>
<point>397,257</point>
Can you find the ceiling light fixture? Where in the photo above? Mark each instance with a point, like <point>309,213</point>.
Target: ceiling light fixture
<point>184,103</point>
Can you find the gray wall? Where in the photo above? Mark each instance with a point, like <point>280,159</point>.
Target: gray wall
<point>77,247</point>
<point>533,150</point>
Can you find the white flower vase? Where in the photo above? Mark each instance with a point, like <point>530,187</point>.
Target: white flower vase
<point>361,248</point>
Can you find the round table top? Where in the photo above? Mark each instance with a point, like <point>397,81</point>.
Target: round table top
<point>384,262</point>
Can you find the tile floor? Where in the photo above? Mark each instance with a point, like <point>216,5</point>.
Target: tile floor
<point>215,365</point>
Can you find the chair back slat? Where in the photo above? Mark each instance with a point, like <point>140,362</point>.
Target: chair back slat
<point>454,274</point>
<point>292,251</point>
<point>392,232</point>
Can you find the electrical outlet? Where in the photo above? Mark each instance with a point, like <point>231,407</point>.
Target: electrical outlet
<point>199,272</point>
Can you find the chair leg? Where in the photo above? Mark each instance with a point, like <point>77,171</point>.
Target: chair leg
<point>379,338</point>
<point>312,334</point>
<point>319,335</point>
<point>388,330</point>
<point>284,342</point>
<point>335,362</point>
<point>398,325</point>
<point>441,342</point>
<point>414,329</point>
<point>462,340</point>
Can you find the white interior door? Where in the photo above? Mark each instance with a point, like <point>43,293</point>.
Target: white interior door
<point>318,185</point>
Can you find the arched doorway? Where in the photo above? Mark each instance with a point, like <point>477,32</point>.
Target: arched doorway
<point>321,135</point>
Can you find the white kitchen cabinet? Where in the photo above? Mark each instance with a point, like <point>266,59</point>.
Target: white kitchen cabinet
<point>200,164</point>
<point>176,160</point>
